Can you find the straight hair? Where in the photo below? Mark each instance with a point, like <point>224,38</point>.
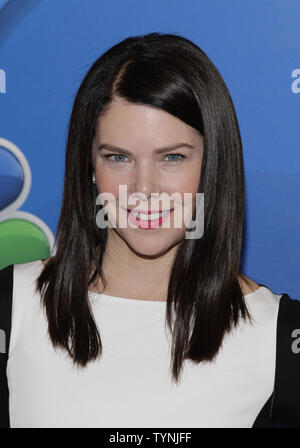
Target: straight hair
<point>205,299</point>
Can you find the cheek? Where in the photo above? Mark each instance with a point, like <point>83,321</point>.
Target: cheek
<point>187,187</point>
<point>108,184</point>
<point>185,184</point>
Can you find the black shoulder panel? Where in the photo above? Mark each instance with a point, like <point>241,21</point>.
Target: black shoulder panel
<point>286,400</point>
<point>6,291</point>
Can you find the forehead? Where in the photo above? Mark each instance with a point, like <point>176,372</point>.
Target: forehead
<point>139,124</point>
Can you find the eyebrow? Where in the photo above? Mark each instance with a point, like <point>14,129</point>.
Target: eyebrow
<point>157,151</point>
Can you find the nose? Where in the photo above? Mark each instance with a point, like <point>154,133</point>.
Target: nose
<point>144,181</point>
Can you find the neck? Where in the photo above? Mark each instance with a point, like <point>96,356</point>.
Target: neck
<point>134,275</point>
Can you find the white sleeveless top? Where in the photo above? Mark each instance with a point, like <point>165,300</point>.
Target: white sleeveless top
<point>130,385</point>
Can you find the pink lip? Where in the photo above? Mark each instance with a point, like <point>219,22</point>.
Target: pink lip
<point>147,224</point>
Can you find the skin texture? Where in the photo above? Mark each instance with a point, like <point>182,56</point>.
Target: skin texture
<point>137,261</point>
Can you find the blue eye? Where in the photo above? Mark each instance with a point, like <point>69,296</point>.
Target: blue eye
<point>176,155</point>
<point>118,156</point>
<point>114,155</point>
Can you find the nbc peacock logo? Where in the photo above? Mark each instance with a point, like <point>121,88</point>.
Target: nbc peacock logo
<point>23,236</point>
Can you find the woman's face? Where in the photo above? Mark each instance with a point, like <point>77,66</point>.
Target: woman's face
<point>145,173</point>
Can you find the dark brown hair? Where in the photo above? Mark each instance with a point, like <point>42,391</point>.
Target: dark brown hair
<point>204,299</point>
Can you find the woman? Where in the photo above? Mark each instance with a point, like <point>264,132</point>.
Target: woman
<point>140,325</point>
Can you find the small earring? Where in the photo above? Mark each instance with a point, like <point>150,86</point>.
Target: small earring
<point>94,179</point>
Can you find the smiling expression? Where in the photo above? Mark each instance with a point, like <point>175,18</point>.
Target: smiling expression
<point>150,152</point>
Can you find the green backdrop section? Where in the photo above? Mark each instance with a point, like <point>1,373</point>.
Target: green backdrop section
<point>21,241</point>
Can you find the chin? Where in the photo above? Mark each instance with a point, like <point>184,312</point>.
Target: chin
<point>153,245</point>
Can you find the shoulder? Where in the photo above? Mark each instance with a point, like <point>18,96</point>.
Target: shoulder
<point>22,269</point>
<point>286,396</point>
<point>21,277</point>
<point>262,303</point>
<point>289,313</point>
<point>27,271</point>
<point>22,300</point>
<point>247,284</point>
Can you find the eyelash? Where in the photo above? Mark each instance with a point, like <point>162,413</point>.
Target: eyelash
<point>108,156</point>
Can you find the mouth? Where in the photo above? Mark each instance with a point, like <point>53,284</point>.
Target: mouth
<point>148,215</point>
<point>148,220</point>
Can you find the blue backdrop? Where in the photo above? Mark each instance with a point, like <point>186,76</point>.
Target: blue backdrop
<point>48,45</point>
